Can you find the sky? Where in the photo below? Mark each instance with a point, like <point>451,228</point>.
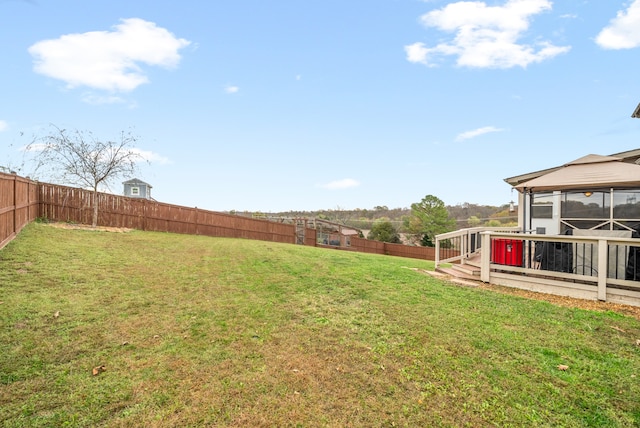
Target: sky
<point>302,105</point>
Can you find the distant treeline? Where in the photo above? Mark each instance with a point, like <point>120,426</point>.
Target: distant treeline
<point>466,215</point>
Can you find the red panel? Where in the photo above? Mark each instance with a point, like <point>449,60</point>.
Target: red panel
<point>506,252</point>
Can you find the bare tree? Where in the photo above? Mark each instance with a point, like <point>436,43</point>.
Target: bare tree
<point>78,158</point>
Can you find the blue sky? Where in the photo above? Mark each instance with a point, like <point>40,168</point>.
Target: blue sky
<point>326,104</point>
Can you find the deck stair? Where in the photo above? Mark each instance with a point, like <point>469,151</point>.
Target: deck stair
<point>470,270</point>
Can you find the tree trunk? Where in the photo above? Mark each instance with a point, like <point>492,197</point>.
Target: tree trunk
<point>94,221</point>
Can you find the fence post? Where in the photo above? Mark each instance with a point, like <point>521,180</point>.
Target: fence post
<point>197,228</point>
<point>40,198</point>
<point>144,215</point>
<point>15,204</point>
<point>29,202</point>
<point>603,259</point>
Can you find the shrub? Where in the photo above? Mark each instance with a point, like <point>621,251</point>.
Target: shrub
<point>384,231</point>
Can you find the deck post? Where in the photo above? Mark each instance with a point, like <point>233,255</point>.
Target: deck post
<point>485,257</point>
<point>603,259</point>
<point>464,251</point>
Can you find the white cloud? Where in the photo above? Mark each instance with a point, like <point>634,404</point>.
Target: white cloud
<point>485,36</point>
<point>108,60</point>
<point>417,52</point>
<point>623,32</point>
<point>147,156</point>
<point>231,89</point>
<point>142,155</point>
<point>341,184</point>
<point>35,147</point>
<point>3,125</point>
<point>477,132</point>
<point>94,99</point>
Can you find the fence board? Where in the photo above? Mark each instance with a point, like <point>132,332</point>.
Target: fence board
<point>367,246</point>
<point>398,250</point>
<point>310,237</point>
<point>18,205</point>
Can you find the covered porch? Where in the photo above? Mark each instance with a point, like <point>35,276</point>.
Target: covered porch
<point>577,234</point>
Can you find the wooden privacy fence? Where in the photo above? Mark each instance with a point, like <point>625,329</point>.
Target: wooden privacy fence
<point>398,250</point>
<point>68,204</point>
<point>18,205</point>
<point>23,200</point>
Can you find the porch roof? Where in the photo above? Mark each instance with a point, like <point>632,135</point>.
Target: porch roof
<point>630,156</point>
<point>588,172</point>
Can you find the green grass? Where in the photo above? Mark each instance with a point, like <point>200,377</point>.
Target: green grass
<point>196,331</point>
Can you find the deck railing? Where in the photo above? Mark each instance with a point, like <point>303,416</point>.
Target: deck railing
<point>587,267</point>
<point>463,244</point>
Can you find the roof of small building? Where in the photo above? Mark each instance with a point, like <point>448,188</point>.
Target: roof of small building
<point>136,181</point>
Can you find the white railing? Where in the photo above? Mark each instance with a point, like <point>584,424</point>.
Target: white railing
<point>464,243</point>
<point>586,267</point>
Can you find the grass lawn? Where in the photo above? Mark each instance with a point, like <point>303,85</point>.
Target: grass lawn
<point>194,331</point>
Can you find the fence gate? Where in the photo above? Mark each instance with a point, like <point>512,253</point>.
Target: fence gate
<point>301,226</point>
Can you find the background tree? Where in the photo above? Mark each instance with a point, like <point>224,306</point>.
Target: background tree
<point>78,158</point>
<point>474,221</point>
<point>428,218</point>
<point>384,231</point>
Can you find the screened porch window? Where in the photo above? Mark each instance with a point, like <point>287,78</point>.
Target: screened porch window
<point>626,204</point>
<point>593,210</point>
<point>542,205</point>
<point>586,205</point>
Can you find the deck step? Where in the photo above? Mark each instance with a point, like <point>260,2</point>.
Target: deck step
<point>456,271</point>
<point>474,260</point>
<point>467,269</point>
<point>470,270</point>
